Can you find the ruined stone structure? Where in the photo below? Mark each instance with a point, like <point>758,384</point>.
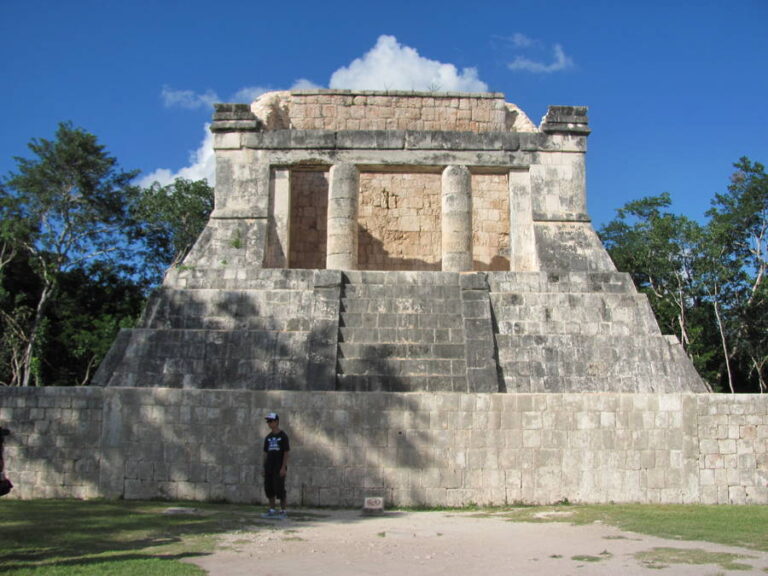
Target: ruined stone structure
<point>399,241</point>
<point>413,283</point>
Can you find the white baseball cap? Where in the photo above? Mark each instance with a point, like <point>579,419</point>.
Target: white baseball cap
<point>272,416</point>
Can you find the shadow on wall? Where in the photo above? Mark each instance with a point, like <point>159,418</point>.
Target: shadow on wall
<point>372,255</point>
<point>217,339</point>
<point>206,445</point>
<point>194,437</point>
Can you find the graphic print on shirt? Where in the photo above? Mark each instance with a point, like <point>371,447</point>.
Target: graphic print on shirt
<point>273,443</point>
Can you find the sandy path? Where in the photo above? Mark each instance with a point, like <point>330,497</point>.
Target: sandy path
<point>346,543</point>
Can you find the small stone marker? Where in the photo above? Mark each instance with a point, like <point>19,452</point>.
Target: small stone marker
<point>373,505</point>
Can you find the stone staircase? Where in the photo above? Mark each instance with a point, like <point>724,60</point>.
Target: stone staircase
<point>401,331</point>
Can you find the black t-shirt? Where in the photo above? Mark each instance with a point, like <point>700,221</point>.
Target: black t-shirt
<point>275,446</point>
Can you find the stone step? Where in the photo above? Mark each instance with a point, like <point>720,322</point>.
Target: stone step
<point>425,305</point>
<point>376,350</point>
<point>397,367</point>
<point>395,291</point>
<point>361,335</point>
<point>383,383</point>
<point>422,321</point>
<point>400,278</point>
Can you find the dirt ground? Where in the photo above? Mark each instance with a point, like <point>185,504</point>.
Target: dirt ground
<point>347,543</point>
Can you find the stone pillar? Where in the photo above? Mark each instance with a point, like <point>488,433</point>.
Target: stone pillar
<point>280,222</point>
<point>456,219</point>
<point>522,241</point>
<point>343,191</point>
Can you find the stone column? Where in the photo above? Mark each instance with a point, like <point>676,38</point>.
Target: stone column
<point>279,248</point>
<point>456,219</point>
<point>522,242</point>
<point>344,185</point>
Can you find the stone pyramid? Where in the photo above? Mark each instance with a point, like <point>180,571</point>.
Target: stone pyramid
<point>398,241</point>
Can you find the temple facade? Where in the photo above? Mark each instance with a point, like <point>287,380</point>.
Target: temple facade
<point>399,242</point>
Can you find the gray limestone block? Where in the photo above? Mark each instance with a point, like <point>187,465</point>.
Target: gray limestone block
<point>483,379</point>
<point>478,328</point>
<point>434,140</point>
<point>312,139</point>
<point>475,310</point>
<point>447,351</point>
<point>271,140</point>
<point>535,141</point>
<point>371,139</point>
<point>477,281</point>
<point>245,126</point>
<point>327,279</point>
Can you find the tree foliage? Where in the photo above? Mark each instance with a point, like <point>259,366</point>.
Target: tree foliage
<point>705,282</point>
<point>169,219</point>
<point>80,247</point>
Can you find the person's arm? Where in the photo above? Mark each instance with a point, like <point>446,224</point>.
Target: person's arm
<point>284,467</point>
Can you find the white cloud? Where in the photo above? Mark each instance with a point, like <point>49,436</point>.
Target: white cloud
<point>187,98</point>
<point>387,66</point>
<point>248,94</point>
<point>202,166</point>
<point>391,66</point>
<point>521,40</point>
<point>304,84</point>
<point>561,61</point>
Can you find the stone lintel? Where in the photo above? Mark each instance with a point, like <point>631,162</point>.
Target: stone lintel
<point>414,140</point>
<point>221,126</point>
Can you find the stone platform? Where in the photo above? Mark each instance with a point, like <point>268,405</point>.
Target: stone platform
<point>401,332</point>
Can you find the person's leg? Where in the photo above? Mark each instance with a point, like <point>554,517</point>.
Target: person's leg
<point>280,492</point>
<point>270,489</point>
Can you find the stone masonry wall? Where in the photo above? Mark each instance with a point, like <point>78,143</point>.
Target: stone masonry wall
<point>399,221</point>
<point>398,111</point>
<point>490,221</point>
<point>447,449</point>
<point>309,210</point>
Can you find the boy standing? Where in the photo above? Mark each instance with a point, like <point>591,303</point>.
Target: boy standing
<point>277,448</point>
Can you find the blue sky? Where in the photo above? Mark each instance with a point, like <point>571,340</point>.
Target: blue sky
<point>676,90</point>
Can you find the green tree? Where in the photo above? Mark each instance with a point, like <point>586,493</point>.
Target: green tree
<point>91,307</point>
<point>660,250</point>
<point>706,283</point>
<point>737,264</point>
<point>170,219</point>
<point>72,202</point>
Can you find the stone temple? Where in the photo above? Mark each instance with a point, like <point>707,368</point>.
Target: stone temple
<point>399,242</point>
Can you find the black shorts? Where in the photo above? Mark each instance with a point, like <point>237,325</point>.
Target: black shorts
<point>274,484</point>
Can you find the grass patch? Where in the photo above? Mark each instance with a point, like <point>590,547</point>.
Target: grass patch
<point>604,555</point>
<point>742,526</point>
<point>118,538</point>
<point>586,558</point>
<point>659,558</point>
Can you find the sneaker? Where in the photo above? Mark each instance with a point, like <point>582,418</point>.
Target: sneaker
<point>271,513</point>
<point>283,515</point>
